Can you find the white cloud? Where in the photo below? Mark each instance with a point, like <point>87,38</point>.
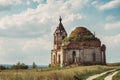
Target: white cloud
<point>28,2</point>
<point>39,1</point>
<point>43,15</point>
<point>111,41</point>
<point>109,26</point>
<point>2,51</point>
<point>1,41</point>
<point>10,2</point>
<point>94,2</point>
<point>6,5</point>
<point>72,17</point>
<point>109,5</point>
<point>11,50</point>
<point>37,44</point>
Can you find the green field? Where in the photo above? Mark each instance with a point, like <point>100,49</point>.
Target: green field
<point>75,73</point>
<point>103,76</point>
<point>117,76</point>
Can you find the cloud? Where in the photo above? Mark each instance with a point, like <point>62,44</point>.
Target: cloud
<point>2,51</point>
<point>32,21</point>
<point>110,17</point>
<point>109,5</point>
<point>6,4</point>
<point>10,2</point>
<point>3,8</point>
<point>28,2</point>
<point>94,2</point>
<point>25,24</point>
<point>39,1</point>
<point>72,17</point>
<point>11,50</point>
<point>111,41</point>
<point>36,44</point>
<point>115,25</point>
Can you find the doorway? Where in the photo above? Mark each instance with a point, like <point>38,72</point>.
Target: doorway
<point>59,59</point>
<point>74,57</point>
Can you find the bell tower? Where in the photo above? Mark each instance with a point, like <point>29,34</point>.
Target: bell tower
<point>59,35</point>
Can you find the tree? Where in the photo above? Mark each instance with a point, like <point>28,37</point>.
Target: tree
<point>19,66</point>
<point>2,68</point>
<point>34,65</point>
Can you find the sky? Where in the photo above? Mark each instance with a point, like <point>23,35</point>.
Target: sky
<point>27,27</point>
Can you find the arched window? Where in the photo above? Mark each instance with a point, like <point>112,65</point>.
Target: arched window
<point>73,56</point>
<point>63,37</point>
<point>54,59</point>
<point>54,39</point>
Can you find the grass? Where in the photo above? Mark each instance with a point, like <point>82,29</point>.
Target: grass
<point>117,76</point>
<point>113,64</point>
<point>108,73</point>
<point>87,73</point>
<point>79,73</point>
<point>103,76</point>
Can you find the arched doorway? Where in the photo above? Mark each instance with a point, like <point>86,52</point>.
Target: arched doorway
<point>59,59</point>
<point>73,57</point>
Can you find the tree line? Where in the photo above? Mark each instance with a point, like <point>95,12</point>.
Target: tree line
<point>18,66</point>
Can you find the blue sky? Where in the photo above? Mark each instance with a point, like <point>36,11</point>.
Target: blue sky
<point>27,26</point>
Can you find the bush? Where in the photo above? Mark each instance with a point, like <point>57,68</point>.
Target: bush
<point>67,39</point>
<point>80,37</point>
<point>19,66</point>
<point>2,68</point>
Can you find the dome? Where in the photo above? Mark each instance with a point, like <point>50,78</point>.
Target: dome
<point>81,33</point>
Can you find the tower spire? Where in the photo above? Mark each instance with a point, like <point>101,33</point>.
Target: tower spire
<point>60,19</point>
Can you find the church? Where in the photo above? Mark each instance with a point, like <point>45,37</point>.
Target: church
<point>81,47</point>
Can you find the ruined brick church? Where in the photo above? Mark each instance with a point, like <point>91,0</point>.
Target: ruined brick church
<point>81,47</point>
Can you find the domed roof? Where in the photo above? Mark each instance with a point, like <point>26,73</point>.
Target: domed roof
<point>81,33</point>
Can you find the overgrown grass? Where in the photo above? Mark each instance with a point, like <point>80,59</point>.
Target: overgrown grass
<point>103,76</point>
<point>113,64</point>
<point>117,76</point>
<point>87,73</point>
<point>79,73</point>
